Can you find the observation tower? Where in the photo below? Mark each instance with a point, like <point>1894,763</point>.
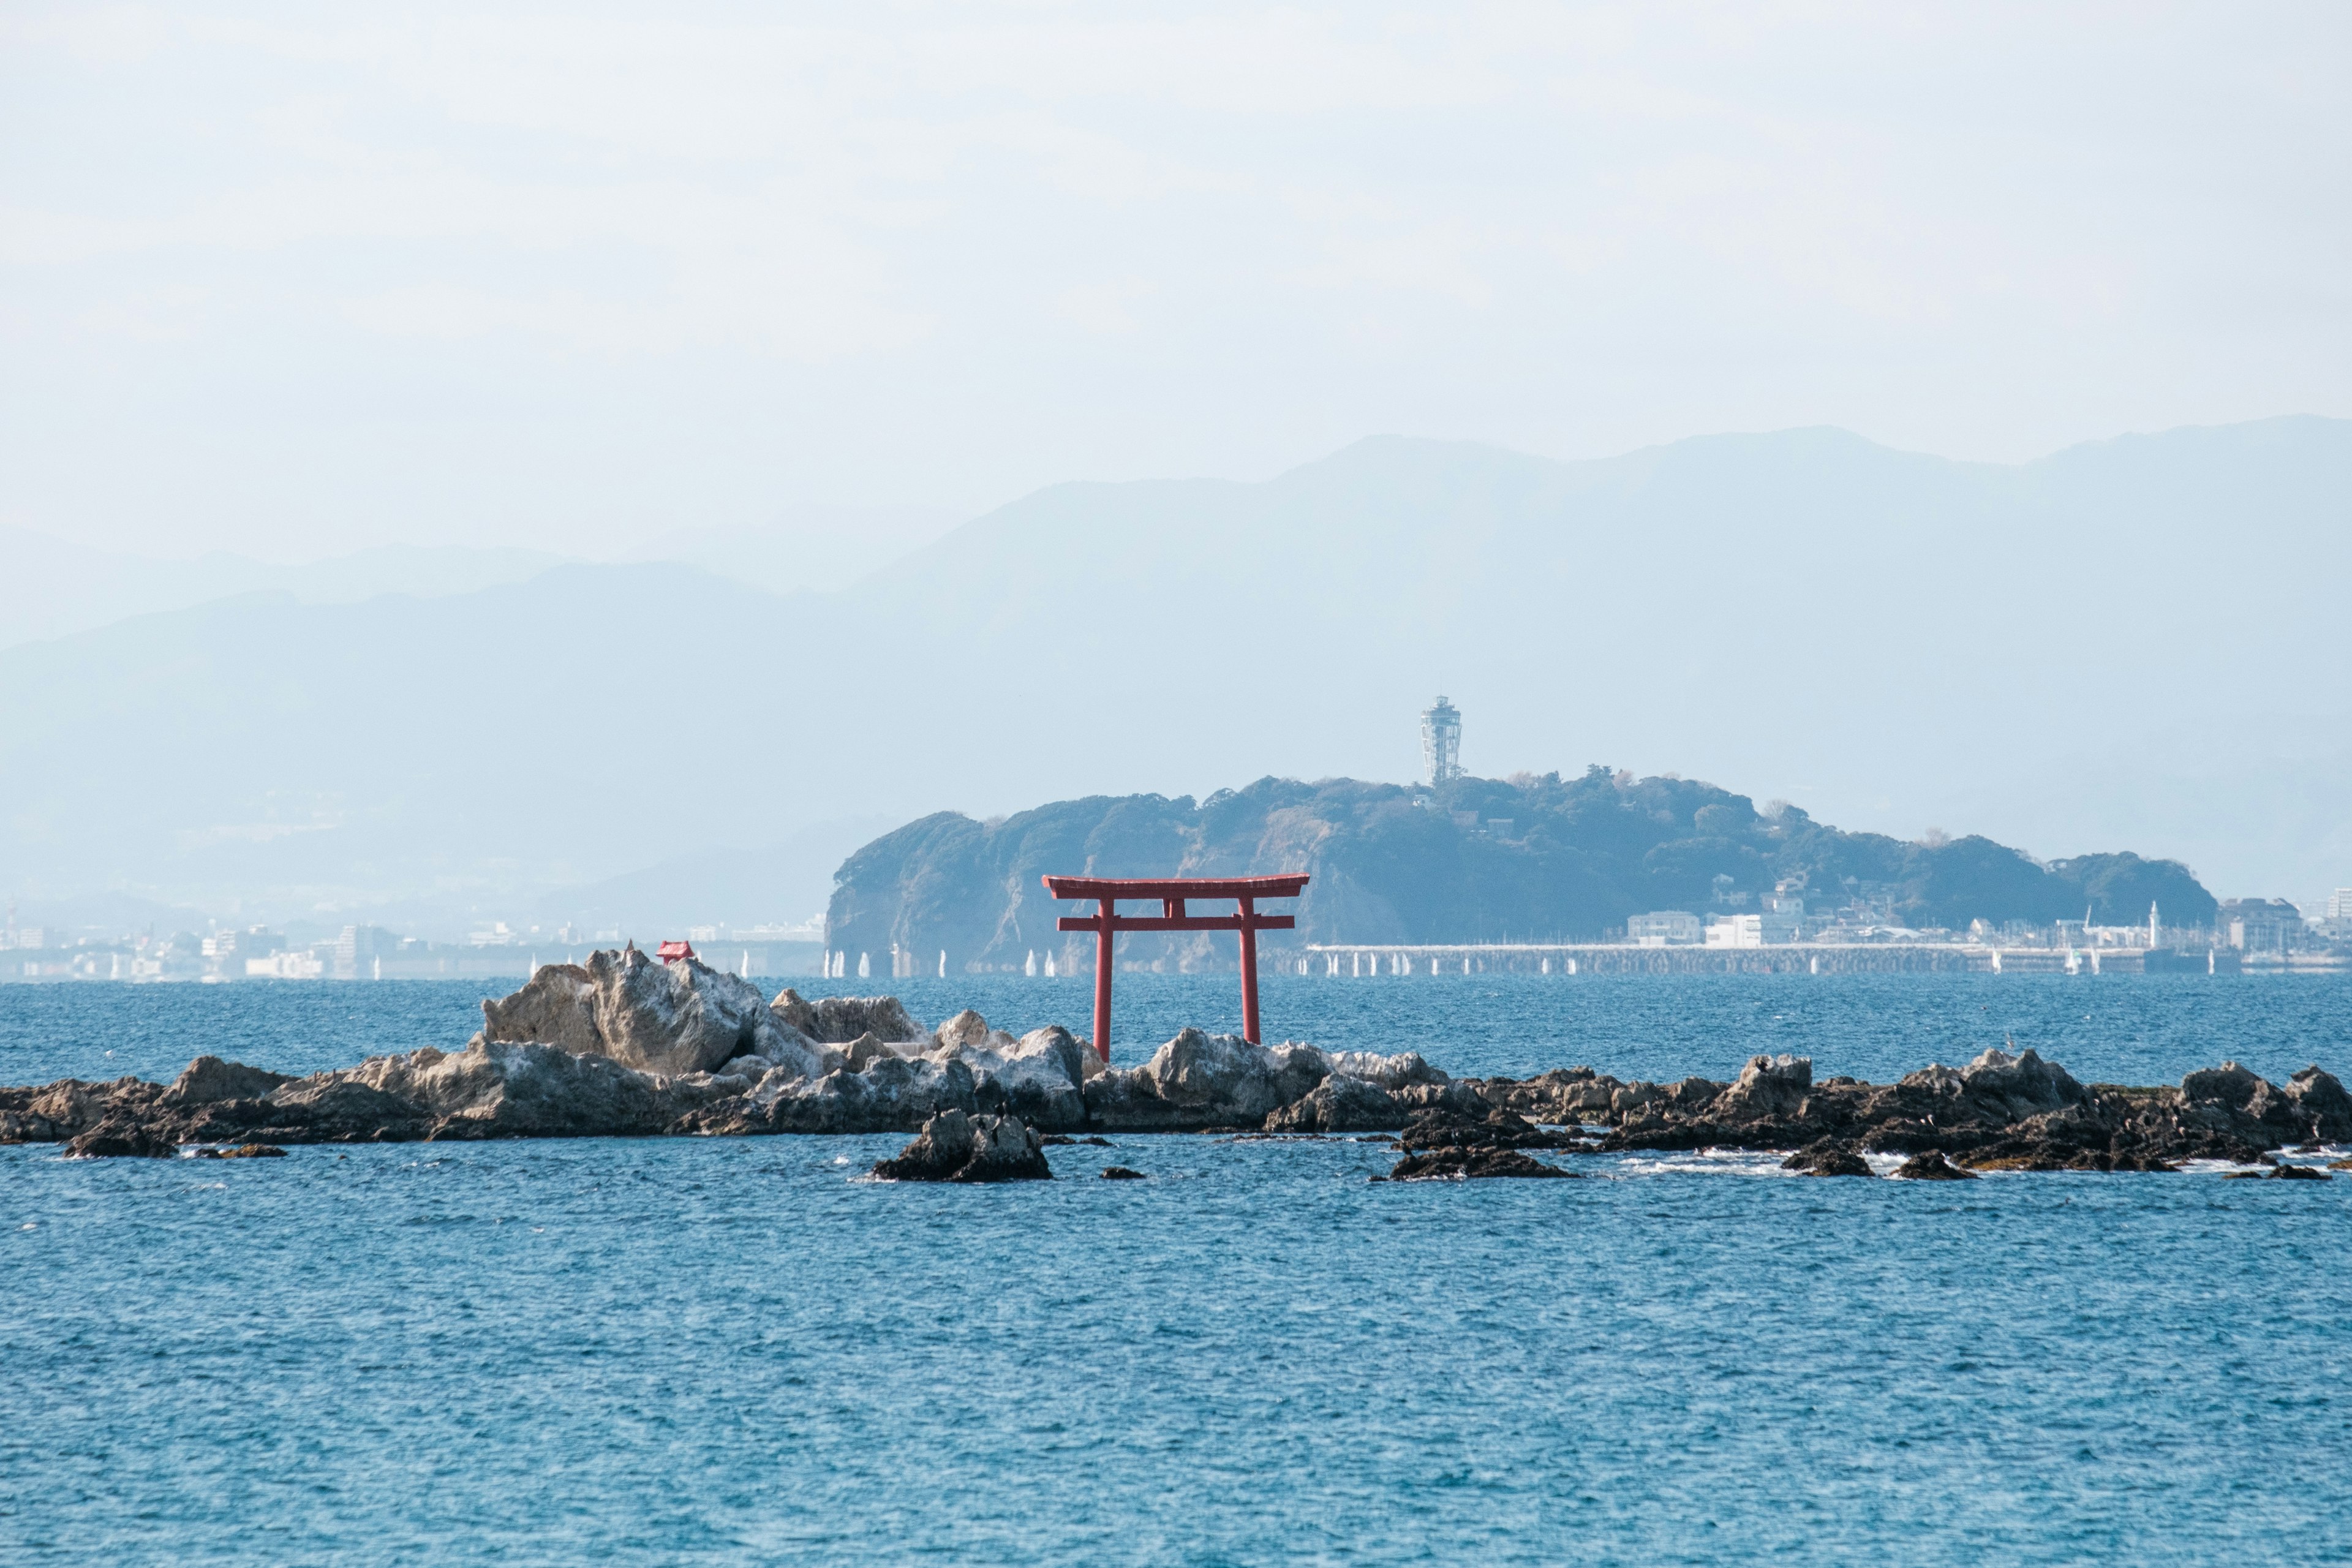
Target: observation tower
<point>1441,741</point>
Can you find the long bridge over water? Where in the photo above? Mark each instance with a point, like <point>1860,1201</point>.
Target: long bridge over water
<point>1366,960</point>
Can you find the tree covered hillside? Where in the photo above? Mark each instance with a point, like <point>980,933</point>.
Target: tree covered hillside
<point>1527,859</point>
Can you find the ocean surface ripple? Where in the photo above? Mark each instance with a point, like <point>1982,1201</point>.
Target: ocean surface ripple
<point>735,1350</point>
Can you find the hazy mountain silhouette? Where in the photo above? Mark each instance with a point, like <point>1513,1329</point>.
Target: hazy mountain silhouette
<point>2124,646</point>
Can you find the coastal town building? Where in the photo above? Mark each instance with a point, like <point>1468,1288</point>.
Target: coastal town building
<point>1663,928</point>
<point>2260,925</point>
<point>1736,931</point>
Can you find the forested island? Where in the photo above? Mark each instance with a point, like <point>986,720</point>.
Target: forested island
<point>1532,858</point>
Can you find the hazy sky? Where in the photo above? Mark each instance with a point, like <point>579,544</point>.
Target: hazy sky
<point>294,279</point>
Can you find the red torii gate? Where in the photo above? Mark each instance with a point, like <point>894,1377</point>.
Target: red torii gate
<point>1173,893</point>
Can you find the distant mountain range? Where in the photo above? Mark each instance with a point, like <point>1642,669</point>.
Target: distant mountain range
<point>1530,859</point>
<point>52,588</point>
<point>2136,642</point>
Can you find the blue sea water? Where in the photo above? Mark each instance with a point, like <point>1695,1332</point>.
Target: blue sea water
<point>733,1351</point>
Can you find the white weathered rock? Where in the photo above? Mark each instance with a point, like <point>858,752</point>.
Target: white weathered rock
<point>512,1090</point>
<point>1199,1080</point>
<point>672,1019</point>
<point>1039,1077</point>
<point>837,1020</point>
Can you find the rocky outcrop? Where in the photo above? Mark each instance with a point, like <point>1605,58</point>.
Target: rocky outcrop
<point>672,1019</point>
<point>1445,1143</point>
<point>1931,1166</point>
<point>2002,1112</point>
<point>121,1136</point>
<point>208,1080</point>
<point>861,1065</point>
<point>954,1147</point>
<point>1199,1081</point>
<point>1470,1164</point>
<point>836,1020</point>
<point>2281,1174</point>
<point>1828,1158</point>
<point>1346,1103</point>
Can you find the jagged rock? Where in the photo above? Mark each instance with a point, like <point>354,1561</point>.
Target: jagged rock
<point>1931,1166</point>
<point>1340,1103</point>
<point>672,1019</point>
<point>2019,1086</point>
<point>869,1048</point>
<point>1445,1127</point>
<point>1766,1086</point>
<point>954,1147</point>
<point>557,1006</point>
<point>1199,1080</point>
<point>1827,1158</point>
<point>1121,1174</point>
<point>2228,1085</point>
<point>1406,1069</point>
<point>1195,1081</point>
<point>1563,1095</point>
<point>2323,1102</point>
<point>208,1080</point>
<point>966,1028</point>
<point>344,1107</point>
<point>1039,1077</point>
<point>836,1020</point>
<point>1471,1164</point>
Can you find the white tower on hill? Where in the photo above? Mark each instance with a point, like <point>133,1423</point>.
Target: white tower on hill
<point>1441,741</point>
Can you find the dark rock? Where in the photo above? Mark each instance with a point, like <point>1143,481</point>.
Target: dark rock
<point>2228,1085</point>
<point>244,1151</point>
<point>954,1147</point>
<point>208,1080</point>
<point>2299,1174</point>
<point>1827,1158</point>
<point>1564,1095</point>
<point>1340,1103</point>
<point>1931,1166</point>
<point>1343,1103</point>
<point>1121,1174</point>
<point>1445,1127</point>
<point>2323,1103</point>
<point>117,1138</point>
<point>1471,1164</point>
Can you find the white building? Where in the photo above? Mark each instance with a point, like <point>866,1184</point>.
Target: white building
<point>1663,928</point>
<point>1736,931</point>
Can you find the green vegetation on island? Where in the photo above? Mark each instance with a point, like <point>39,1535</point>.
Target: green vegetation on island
<point>1530,858</point>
